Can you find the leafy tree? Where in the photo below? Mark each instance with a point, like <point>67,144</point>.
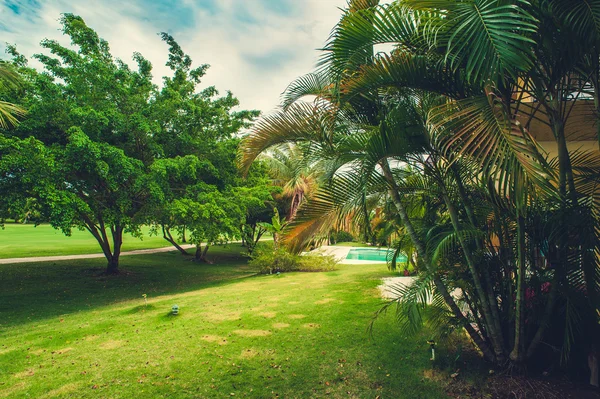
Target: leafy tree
<point>257,196</point>
<point>88,111</point>
<point>108,140</point>
<point>211,217</point>
<point>196,134</point>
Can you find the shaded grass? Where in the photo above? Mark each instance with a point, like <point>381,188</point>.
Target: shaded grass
<point>298,335</point>
<point>31,292</point>
<point>24,240</point>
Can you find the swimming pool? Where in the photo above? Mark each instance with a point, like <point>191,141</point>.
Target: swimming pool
<point>374,254</point>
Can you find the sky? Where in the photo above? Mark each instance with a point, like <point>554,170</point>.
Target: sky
<point>255,47</point>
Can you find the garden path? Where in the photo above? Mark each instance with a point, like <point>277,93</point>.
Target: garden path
<point>88,256</point>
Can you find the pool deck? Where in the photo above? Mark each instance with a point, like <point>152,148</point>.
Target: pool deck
<point>389,285</point>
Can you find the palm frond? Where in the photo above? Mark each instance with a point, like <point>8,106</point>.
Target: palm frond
<point>490,39</point>
<point>407,70</point>
<point>311,84</point>
<point>479,128</point>
<point>352,40</point>
<point>9,114</point>
<point>301,122</point>
<point>581,15</point>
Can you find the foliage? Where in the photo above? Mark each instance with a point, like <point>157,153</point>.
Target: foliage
<point>9,80</point>
<point>434,140</point>
<point>111,151</point>
<point>275,227</point>
<point>269,259</point>
<point>341,236</point>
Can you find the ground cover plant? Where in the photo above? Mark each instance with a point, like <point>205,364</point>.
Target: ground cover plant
<point>87,335</point>
<point>24,240</point>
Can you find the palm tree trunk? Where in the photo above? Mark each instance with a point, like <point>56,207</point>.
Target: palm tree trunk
<point>491,295</point>
<point>517,356</point>
<point>492,320</point>
<point>422,253</point>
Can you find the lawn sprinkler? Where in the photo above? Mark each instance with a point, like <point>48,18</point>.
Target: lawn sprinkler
<point>175,310</point>
<point>432,346</point>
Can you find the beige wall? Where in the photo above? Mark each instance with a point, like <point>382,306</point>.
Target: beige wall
<point>582,123</point>
<point>551,147</point>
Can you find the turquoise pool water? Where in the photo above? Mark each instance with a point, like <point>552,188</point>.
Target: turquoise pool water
<point>374,254</point>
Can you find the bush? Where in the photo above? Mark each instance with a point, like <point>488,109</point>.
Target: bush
<point>273,261</point>
<point>317,263</point>
<point>341,236</point>
<point>269,260</point>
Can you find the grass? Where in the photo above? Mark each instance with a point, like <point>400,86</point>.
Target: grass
<point>24,240</point>
<point>67,332</point>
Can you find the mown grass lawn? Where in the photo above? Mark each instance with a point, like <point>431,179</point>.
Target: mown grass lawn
<point>24,240</point>
<point>68,332</point>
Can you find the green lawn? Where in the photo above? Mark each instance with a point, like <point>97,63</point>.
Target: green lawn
<point>23,240</point>
<point>68,331</point>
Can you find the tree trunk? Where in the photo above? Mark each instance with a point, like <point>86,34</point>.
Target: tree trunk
<point>258,235</point>
<point>492,320</point>
<point>99,233</point>
<point>422,254</point>
<point>117,236</point>
<point>113,266</point>
<point>243,235</point>
<point>565,170</point>
<point>548,313</point>
<point>169,237</point>
<point>517,355</point>
<point>200,254</point>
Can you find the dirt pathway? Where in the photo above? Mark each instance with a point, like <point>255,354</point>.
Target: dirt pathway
<point>88,256</point>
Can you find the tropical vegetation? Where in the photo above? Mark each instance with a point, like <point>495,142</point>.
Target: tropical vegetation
<point>423,114</point>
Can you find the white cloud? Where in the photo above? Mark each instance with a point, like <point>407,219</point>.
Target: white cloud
<point>255,47</point>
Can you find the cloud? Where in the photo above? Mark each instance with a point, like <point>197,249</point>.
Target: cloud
<point>255,47</point>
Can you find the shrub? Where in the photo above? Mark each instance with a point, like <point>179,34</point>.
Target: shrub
<point>341,236</point>
<point>273,261</point>
<point>317,263</point>
<point>269,260</point>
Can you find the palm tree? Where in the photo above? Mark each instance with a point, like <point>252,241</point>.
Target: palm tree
<point>9,113</point>
<point>477,167</point>
<point>291,171</point>
<point>490,59</point>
